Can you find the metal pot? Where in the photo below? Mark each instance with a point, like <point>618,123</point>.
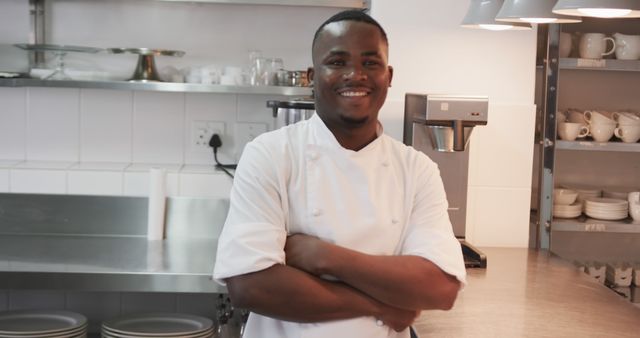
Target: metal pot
<point>290,112</point>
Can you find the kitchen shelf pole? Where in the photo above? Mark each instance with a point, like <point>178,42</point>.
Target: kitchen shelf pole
<point>548,139</point>
<point>37,29</point>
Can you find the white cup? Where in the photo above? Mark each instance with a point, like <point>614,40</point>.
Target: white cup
<point>628,133</point>
<point>626,118</point>
<point>594,46</point>
<point>565,45</point>
<point>576,116</point>
<point>602,132</point>
<point>592,116</point>
<point>627,46</point>
<point>570,131</point>
<point>634,206</point>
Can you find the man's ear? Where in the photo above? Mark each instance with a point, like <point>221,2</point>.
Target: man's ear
<point>310,73</point>
<point>390,75</point>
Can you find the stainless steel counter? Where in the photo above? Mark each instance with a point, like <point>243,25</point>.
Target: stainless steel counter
<point>524,293</point>
<point>107,263</point>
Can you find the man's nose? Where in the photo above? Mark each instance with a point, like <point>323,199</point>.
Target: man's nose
<point>355,73</point>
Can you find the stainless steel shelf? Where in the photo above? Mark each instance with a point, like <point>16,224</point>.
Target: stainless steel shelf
<point>585,224</point>
<point>310,3</point>
<point>598,146</point>
<point>107,263</point>
<point>600,64</point>
<point>159,86</point>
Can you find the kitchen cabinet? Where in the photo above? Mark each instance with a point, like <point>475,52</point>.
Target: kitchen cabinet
<point>605,84</point>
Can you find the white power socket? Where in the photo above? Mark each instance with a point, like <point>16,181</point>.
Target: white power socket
<point>201,132</point>
<point>246,132</point>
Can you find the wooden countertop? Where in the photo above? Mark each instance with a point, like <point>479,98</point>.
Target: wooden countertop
<point>526,293</point>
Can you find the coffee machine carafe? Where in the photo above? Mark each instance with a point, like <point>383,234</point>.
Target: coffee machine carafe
<point>440,126</point>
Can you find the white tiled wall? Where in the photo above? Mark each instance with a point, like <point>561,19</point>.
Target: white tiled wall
<point>53,124</point>
<point>103,142</point>
<point>106,125</point>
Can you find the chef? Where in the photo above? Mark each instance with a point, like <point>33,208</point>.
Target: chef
<point>335,229</point>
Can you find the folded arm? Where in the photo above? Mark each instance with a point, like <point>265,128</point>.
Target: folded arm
<point>290,294</point>
<point>408,282</point>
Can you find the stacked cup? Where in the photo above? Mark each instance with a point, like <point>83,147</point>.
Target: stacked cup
<point>601,125</point>
<point>628,129</point>
<point>572,126</point>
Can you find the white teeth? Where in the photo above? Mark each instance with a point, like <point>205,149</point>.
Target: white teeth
<point>353,93</point>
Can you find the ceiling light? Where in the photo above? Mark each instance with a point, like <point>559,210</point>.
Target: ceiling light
<point>532,11</point>
<point>599,8</point>
<point>482,14</point>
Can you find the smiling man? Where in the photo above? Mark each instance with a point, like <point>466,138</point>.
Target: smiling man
<point>335,229</point>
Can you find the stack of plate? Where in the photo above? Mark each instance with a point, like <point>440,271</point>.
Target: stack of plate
<point>166,325</point>
<point>618,192</point>
<point>567,210</point>
<point>606,208</point>
<point>42,324</point>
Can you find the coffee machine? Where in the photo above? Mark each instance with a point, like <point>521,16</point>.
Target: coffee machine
<point>440,126</point>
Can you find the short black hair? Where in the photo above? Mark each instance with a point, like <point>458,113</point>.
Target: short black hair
<point>351,15</point>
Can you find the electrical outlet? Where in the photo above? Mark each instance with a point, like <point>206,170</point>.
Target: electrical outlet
<point>246,132</point>
<point>201,132</point>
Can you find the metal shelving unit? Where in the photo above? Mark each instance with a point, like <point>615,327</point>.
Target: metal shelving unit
<point>598,146</point>
<point>585,224</point>
<point>600,65</point>
<point>607,239</point>
<point>159,86</point>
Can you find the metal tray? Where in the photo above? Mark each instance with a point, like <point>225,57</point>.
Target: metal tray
<point>146,51</point>
<point>58,48</point>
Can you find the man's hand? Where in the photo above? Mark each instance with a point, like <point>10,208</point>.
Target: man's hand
<point>399,319</point>
<point>306,253</point>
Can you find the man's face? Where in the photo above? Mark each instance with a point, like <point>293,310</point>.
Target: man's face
<point>350,73</point>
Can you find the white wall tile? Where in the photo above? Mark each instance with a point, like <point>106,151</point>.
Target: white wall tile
<point>199,304</point>
<point>135,302</point>
<point>4,180</point>
<point>13,127</point>
<point>205,185</point>
<point>36,299</point>
<point>210,107</point>
<point>158,127</point>
<point>501,216</point>
<point>106,118</point>
<point>137,184</point>
<point>53,124</point>
<point>38,181</point>
<point>89,182</point>
<point>502,151</point>
<point>96,306</point>
<point>253,108</point>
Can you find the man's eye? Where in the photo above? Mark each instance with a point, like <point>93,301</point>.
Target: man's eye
<point>371,63</point>
<point>336,63</point>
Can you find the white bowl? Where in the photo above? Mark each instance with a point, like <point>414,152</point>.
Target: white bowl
<point>564,196</point>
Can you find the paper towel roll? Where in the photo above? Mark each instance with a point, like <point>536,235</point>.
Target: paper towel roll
<point>157,198</point>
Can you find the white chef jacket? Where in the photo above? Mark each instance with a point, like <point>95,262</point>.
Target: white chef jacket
<point>385,199</point>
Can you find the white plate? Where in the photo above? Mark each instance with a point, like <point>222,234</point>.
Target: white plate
<point>605,201</point>
<point>567,214</point>
<point>608,217</point>
<point>36,323</point>
<point>158,325</point>
<point>108,334</point>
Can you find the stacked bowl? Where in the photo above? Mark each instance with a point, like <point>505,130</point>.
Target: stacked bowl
<point>166,325</point>
<point>606,208</point>
<point>42,324</point>
<point>565,204</point>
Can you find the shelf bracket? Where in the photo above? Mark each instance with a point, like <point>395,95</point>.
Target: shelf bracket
<point>37,31</point>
